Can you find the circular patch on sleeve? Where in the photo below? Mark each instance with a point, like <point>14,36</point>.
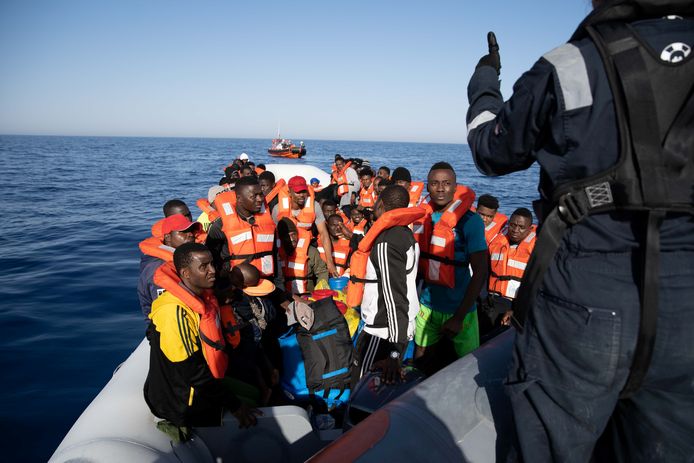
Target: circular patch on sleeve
<point>675,52</point>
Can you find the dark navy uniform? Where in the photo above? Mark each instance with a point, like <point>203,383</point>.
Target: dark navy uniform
<point>574,356</point>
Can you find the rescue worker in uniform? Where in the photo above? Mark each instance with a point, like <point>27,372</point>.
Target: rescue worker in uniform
<point>603,366</point>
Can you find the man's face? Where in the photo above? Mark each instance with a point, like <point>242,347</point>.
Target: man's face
<point>335,226</point>
<point>487,214</point>
<point>250,198</point>
<point>328,210</point>
<point>518,229</point>
<point>266,186</point>
<point>339,164</point>
<point>183,210</point>
<point>379,209</point>
<point>177,238</point>
<point>383,173</point>
<point>366,181</point>
<point>247,171</point>
<point>403,183</point>
<point>299,199</point>
<point>289,241</point>
<point>356,215</point>
<point>441,186</point>
<point>200,272</point>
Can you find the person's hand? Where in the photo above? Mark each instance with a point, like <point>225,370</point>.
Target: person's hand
<point>391,370</point>
<point>452,327</point>
<point>506,319</point>
<point>275,377</point>
<point>492,58</point>
<point>247,416</point>
<point>332,270</point>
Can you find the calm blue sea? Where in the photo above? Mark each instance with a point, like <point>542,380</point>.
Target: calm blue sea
<point>73,212</point>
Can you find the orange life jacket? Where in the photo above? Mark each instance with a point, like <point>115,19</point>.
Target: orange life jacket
<point>517,259</point>
<point>259,170</point>
<point>340,178</point>
<point>367,197</point>
<point>416,190</point>
<point>204,205</point>
<point>498,254</point>
<point>358,262</point>
<point>206,306</point>
<point>437,259</point>
<point>157,228</point>
<point>307,215</point>
<point>340,254</point>
<point>495,227</point>
<point>275,190</point>
<point>155,247</point>
<point>230,326</point>
<point>247,243</point>
<point>295,266</point>
<point>360,227</point>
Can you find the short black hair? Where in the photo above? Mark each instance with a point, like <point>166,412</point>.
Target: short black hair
<point>267,175</point>
<point>442,165</point>
<point>335,215</point>
<point>401,173</point>
<point>261,166</point>
<point>338,157</point>
<point>385,183</point>
<point>394,197</point>
<point>366,171</point>
<point>488,201</point>
<point>225,181</point>
<point>229,170</point>
<point>246,181</point>
<point>183,255</point>
<point>285,226</point>
<point>172,204</point>
<point>386,168</point>
<point>329,202</point>
<point>523,212</point>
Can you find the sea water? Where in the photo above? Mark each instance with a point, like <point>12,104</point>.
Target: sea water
<point>73,212</point>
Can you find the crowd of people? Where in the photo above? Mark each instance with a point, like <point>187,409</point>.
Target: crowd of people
<point>424,264</point>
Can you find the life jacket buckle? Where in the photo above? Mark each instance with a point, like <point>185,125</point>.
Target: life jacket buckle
<point>571,208</point>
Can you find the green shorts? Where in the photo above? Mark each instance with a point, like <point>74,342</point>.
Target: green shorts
<point>428,330</point>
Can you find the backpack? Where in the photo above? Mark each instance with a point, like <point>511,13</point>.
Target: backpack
<point>317,362</point>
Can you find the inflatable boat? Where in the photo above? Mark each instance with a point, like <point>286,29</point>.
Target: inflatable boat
<point>458,414</point>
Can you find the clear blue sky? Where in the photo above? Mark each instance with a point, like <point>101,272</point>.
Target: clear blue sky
<point>360,70</point>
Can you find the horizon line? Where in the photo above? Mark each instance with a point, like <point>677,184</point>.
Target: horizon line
<point>224,138</point>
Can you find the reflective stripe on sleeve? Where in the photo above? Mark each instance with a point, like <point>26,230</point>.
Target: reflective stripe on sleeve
<point>571,71</point>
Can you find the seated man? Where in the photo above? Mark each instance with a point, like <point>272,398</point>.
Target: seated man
<point>171,207</point>
<point>340,241</point>
<point>299,262</point>
<point>519,244</point>
<point>183,385</point>
<point>177,230</point>
<point>254,311</point>
<point>384,172</point>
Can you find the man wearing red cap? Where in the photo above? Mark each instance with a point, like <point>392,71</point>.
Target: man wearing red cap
<point>297,202</point>
<point>176,229</point>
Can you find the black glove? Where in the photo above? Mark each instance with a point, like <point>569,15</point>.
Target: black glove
<point>492,58</point>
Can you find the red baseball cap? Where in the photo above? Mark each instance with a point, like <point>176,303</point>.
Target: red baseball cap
<point>297,184</point>
<point>179,223</point>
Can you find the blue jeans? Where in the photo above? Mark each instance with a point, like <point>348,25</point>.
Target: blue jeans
<point>574,357</point>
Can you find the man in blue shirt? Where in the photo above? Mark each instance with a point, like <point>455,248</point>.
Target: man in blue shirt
<point>449,313</point>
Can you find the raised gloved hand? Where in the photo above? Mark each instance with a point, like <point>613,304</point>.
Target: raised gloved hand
<point>492,58</point>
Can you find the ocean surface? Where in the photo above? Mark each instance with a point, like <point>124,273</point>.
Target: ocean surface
<point>73,212</point>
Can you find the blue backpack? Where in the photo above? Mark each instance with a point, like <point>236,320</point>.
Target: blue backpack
<point>317,362</point>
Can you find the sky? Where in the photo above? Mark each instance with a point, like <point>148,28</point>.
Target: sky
<point>335,70</point>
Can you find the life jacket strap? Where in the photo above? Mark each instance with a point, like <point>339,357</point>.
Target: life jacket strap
<point>211,343</point>
<point>248,257</point>
<point>444,260</point>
